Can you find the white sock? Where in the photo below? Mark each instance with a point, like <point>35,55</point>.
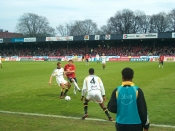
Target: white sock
<point>76,85</point>
<point>159,66</point>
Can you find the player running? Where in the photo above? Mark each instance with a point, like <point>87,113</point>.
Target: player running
<point>161,59</point>
<point>70,73</point>
<point>97,58</point>
<point>87,59</point>
<point>59,74</point>
<point>103,60</point>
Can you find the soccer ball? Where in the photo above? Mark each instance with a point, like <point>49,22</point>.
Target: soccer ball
<point>67,98</point>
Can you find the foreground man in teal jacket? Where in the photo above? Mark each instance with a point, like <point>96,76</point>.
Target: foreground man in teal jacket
<point>128,103</point>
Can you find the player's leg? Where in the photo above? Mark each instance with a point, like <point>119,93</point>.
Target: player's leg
<point>1,65</point>
<point>106,111</point>
<point>70,80</point>
<point>85,109</point>
<point>159,64</point>
<point>98,61</point>
<point>87,61</point>
<point>62,91</point>
<point>99,99</point>
<point>103,65</point>
<point>74,80</point>
<point>67,85</point>
<point>162,64</point>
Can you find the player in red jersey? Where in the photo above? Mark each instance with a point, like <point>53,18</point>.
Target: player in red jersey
<point>87,59</point>
<point>161,59</point>
<point>70,73</point>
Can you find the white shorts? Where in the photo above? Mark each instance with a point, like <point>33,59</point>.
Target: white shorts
<point>103,62</point>
<point>61,81</point>
<point>95,96</point>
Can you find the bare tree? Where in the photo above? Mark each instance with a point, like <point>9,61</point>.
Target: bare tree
<point>32,25</point>
<point>106,30</point>
<point>65,30</point>
<point>159,22</point>
<point>140,22</point>
<point>86,27</point>
<point>145,26</point>
<point>122,22</point>
<point>172,20</point>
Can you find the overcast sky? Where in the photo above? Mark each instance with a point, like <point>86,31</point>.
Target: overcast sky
<point>62,11</point>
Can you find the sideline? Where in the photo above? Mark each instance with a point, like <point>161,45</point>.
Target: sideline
<point>68,117</point>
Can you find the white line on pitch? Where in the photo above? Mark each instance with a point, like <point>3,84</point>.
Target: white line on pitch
<point>56,116</point>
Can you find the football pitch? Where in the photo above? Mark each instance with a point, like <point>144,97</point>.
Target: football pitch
<point>28,103</point>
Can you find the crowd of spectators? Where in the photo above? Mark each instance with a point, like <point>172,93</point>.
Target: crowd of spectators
<point>132,50</point>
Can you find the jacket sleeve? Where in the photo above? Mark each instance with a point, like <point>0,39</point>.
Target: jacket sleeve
<point>112,104</point>
<point>142,109</point>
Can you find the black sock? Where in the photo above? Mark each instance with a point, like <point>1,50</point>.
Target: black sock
<point>66,92</point>
<point>61,93</point>
<point>106,112</point>
<point>85,107</point>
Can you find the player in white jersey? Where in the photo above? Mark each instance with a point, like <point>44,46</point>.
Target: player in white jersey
<point>0,62</point>
<point>97,58</point>
<point>103,60</point>
<point>59,74</point>
<point>93,90</point>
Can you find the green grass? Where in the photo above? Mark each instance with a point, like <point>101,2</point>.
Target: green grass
<point>24,88</point>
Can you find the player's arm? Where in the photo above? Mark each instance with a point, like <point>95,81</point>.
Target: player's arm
<point>64,74</point>
<point>102,88</point>
<point>142,109</point>
<point>52,75</point>
<point>50,80</point>
<point>71,71</point>
<point>84,90</point>
<point>112,104</point>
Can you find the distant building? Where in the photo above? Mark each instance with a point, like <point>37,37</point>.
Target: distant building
<point>7,34</point>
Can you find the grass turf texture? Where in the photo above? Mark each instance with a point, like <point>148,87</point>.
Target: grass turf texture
<point>24,88</point>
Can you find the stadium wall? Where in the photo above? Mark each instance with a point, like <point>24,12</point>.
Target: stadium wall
<point>92,59</point>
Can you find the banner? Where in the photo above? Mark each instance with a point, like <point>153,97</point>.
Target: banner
<point>139,59</point>
<point>91,59</point>
<point>86,37</point>
<point>119,59</point>
<point>1,40</point>
<point>97,37</point>
<point>173,35</point>
<point>60,38</point>
<point>169,58</point>
<point>107,37</point>
<point>17,39</point>
<point>26,59</point>
<point>30,39</point>
<point>140,36</point>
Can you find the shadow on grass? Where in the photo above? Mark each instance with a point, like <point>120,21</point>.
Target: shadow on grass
<point>50,95</point>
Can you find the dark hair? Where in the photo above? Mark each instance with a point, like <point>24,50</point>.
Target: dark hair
<point>58,63</point>
<point>91,71</point>
<point>127,73</point>
<point>71,61</point>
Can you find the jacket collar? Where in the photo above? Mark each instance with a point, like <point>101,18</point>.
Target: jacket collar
<point>130,83</point>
